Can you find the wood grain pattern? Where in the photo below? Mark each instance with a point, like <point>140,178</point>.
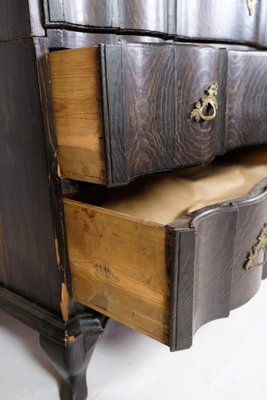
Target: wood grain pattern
<point>77,106</point>
<point>118,267</point>
<point>28,261</point>
<point>213,266</point>
<point>195,70</point>
<point>246,99</point>
<point>150,129</point>
<point>251,219</point>
<point>224,235</point>
<point>205,271</point>
<point>20,19</point>
<point>62,38</point>
<point>181,297</point>
<point>217,20</point>
<point>148,15</point>
<point>148,92</point>
<point>101,13</point>
<point>166,281</point>
<point>211,20</point>
<point>55,180</point>
<point>14,19</point>
<point>146,127</point>
<point>53,10</point>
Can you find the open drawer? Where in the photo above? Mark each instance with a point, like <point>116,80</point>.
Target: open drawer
<point>123,111</point>
<point>127,110</point>
<point>164,278</point>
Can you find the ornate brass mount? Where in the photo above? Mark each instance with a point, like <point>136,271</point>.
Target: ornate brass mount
<point>253,258</point>
<point>209,100</point>
<point>251,4</point>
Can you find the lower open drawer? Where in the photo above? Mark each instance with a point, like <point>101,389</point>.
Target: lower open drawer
<point>164,278</point>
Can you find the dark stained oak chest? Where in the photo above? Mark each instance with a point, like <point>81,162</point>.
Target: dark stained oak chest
<point>96,97</point>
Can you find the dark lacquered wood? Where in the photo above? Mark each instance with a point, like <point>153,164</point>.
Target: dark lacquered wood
<point>145,125</point>
<point>54,10</point>
<point>218,20</point>
<point>211,20</point>
<point>69,345</point>
<point>20,19</point>
<point>210,249</point>
<point>144,15</point>
<point>195,70</point>
<point>41,50</point>
<point>71,361</point>
<point>252,216</point>
<point>58,38</point>
<point>140,15</point>
<point>149,94</point>
<point>28,253</point>
<point>36,17</point>
<point>19,25</point>
<point>246,99</point>
<point>46,323</point>
<point>102,13</point>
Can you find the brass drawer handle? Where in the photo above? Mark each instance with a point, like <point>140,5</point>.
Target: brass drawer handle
<point>207,101</point>
<point>251,4</point>
<point>260,246</point>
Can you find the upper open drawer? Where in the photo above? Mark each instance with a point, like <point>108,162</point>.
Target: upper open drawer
<point>123,111</point>
<point>167,255</point>
<point>242,21</point>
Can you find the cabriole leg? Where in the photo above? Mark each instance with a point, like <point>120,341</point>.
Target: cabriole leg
<point>70,359</point>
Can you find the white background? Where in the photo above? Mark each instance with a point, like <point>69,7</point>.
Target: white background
<point>228,361</point>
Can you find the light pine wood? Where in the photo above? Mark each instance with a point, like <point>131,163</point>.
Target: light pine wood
<point>118,267</point>
<point>75,79</point>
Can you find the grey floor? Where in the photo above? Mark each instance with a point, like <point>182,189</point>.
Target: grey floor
<point>227,362</point>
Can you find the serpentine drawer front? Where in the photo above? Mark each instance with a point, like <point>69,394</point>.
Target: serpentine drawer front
<point>123,111</point>
<point>241,21</point>
<point>167,279</point>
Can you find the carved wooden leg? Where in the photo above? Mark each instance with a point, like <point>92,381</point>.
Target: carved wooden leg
<point>71,359</point>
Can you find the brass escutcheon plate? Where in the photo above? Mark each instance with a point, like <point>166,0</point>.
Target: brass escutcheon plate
<point>251,4</point>
<point>260,246</point>
<point>209,100</point>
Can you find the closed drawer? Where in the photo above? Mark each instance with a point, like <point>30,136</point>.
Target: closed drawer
<point>123,111</point>
<point>129,15</point>
<point>234,21</point>
<point>240,21</point>
<point>164,278</point>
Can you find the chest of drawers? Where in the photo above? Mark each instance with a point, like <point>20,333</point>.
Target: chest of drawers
<point>94,95</point>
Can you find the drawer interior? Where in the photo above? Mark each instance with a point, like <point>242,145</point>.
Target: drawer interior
<point>163,198</point>
<point>75,77</point>
<point>119,247</point>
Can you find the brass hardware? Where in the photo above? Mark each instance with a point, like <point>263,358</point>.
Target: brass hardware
<point>253,261</point>
<point>209,100</point>
<point>251,4</point>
